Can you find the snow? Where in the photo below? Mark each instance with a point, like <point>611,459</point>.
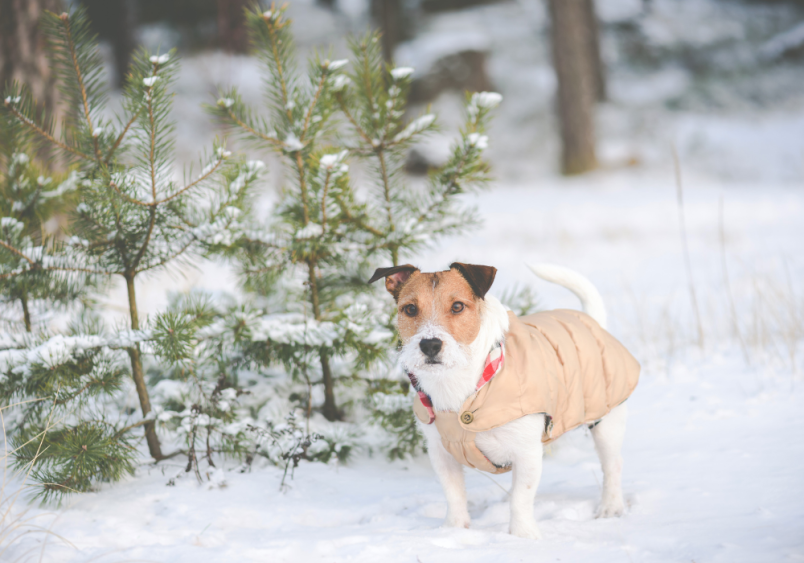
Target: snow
<point>335,65</point>
<point>329,161</point>
<point>685,451</point>
<point>150,81</point>
<point>292,143</point>
<point>416,126</point>
<point>478,140</point>
<point>312,230</point>
<point>339,82</point>
<point>160,59</point>
<point>401,72</point>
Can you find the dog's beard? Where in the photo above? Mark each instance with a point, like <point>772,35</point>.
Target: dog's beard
<point>453,355</point>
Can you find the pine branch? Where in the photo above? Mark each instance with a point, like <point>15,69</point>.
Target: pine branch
<point>279,144</point>
<point>272,29</point>
<point>172,257</point>
<point>152,136</point>
<point>357,220</point>
<point>41,132</point>
<point>120,137</point>
<point>151,222</point>
<point>313,103</point>
<point>65,19</point>
<point>182,191</point>
<point>345,109</point>
<point>18,253</point>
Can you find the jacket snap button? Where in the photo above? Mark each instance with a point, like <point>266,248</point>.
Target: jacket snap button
<point>467,417</point>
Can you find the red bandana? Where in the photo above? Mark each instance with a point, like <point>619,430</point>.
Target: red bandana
<point>494,362</point>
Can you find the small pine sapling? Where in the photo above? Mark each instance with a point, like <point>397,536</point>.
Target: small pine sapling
<point>396,218</point>
<point>283,444</point>
<point>132,216</point>
<point>68,427</point>
<point>31,200</point>
<point>309,240</point>
<point>200,349</point>
<point>323,237</point>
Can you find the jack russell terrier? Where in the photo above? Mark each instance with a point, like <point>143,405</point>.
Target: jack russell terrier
<point>493,388</point>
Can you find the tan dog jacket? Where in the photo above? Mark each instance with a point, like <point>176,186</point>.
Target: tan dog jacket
<point>561,363</point>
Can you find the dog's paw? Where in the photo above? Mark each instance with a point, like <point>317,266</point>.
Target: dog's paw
<point>527,530</point>
<point>457,521</point>
<point>610,508</point>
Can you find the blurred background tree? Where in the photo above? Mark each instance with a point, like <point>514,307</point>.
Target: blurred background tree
<point>22,54</point>
<point>576,57</point>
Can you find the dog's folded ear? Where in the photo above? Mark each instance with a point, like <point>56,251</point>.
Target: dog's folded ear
<point>395,277</point>
<point>479,278</point>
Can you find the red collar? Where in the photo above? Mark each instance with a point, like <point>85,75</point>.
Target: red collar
<point>494,363</point>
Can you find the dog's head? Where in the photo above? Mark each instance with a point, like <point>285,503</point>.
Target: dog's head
<point>445,319</point>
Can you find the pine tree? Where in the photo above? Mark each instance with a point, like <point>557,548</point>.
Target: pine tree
<point>324,237</point>
<point>67,428</point>
<point>29,199</point>
<point>132,216</point>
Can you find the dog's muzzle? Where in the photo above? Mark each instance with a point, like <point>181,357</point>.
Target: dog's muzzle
<point>430,347</point>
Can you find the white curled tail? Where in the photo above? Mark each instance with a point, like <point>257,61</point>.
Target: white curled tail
<point>591,301</point>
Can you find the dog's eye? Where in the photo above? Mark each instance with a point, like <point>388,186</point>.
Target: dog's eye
<point>457,307</point>
<point>410,310</point>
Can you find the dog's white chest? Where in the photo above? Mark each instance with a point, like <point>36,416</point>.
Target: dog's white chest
<point>503,444</point>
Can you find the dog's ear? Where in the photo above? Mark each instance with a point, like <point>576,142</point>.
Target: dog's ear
<point>480,278</point>
<point>395,277</point>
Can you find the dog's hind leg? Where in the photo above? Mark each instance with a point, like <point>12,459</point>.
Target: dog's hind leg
<point>450,474</point>
<point>608,435</point>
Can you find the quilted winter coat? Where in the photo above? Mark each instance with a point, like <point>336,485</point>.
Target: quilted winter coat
<point>560,363</point>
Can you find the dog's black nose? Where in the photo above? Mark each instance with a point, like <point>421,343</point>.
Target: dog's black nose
<point>431,347</point>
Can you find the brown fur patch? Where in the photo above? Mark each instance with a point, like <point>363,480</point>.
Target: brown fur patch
<point>434,294</point>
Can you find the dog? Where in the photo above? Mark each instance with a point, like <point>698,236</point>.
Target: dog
<point>494,388</point>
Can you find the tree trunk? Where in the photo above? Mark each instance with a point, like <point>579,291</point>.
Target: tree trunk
<point>330,408</point>
<point>139,377</point>
<point>26,314</point>
<point>114,21</point>
<point>232,32</point>
<point>22,53</point>
<point>594,46</point>
<point>389,18</point>
<point>575,71</point>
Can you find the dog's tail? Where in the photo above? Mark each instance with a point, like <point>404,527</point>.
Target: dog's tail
<point>591,301</point>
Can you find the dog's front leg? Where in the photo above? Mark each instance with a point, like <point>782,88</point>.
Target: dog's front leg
<point>527,467</point>
<point>450,474</point>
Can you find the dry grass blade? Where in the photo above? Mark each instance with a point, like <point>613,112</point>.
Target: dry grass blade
<point>727,283</point>
<point>685,246</point>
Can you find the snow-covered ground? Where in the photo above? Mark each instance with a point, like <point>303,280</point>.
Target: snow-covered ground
<point>712,474</point>
<point>714,449</point>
